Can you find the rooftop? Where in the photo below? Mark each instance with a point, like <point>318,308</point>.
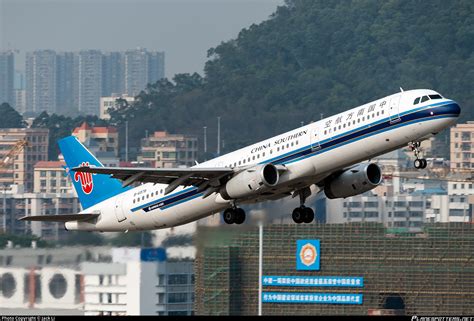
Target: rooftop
<point>95,130</point>
<point>50,164</point>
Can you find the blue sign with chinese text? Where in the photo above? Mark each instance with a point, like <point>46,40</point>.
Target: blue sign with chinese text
<point>313,281</point>
<point>318,298</point>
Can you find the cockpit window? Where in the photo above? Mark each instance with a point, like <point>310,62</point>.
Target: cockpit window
<point>436,97</point>
<point>424,98</point>
<point>416,101</point>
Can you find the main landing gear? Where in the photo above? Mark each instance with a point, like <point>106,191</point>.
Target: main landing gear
<point>234,215</point>
<point>419,163</point>
<point>303,214</point>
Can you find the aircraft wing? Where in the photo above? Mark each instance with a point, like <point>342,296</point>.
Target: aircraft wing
<point>59,218</point>
<point>174,177</point>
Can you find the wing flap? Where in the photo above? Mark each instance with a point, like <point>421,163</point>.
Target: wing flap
<point>59,218</point>
<point>175,176</point>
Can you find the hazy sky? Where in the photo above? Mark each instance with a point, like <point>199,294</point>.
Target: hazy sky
<point>184,29</point>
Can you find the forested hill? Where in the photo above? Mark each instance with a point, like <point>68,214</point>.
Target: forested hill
<point>315,57</point>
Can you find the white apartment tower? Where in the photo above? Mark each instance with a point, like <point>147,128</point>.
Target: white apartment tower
<point>41,81</point>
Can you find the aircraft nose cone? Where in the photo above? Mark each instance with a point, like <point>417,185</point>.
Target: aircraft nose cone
<point>455,108</point>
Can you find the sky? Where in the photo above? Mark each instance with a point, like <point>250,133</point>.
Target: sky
<point>183,29</point>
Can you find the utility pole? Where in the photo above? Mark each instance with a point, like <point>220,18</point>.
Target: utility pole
<point>126,140</point>
<point>4,208</point>
<point>218,135</point>
<point>260,266</point>
<point>205,139</point>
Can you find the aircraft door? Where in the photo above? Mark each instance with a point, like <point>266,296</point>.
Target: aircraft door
<point>394,109</point>
<point>315,138</point>
<point>119,213</point>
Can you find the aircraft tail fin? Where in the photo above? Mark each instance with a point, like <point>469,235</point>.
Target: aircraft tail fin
<point>90,188</point>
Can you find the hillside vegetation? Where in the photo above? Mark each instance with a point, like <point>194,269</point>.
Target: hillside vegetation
<point>313,58</point>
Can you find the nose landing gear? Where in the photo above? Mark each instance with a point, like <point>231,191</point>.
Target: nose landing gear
<point>419,163</point>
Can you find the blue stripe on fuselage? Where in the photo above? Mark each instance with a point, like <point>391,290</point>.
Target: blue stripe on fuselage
<point>440,110</point>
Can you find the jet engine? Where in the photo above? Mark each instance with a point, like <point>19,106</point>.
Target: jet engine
<point>354,181</point>
<point>250,181</point>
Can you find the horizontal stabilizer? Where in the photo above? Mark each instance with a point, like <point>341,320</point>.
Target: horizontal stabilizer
<point>59,218</point>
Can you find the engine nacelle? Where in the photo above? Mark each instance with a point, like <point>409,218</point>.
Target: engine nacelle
<point>354,181</point>
<point>250,181</point>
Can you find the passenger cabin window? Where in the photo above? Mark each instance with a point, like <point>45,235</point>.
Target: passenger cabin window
<point>424,98</point>
<point>416,101</point>
<point>436,97</point>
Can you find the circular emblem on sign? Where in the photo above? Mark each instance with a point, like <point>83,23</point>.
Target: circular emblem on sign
<point>308,254</point>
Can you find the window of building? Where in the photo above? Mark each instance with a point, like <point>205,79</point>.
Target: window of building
<point>161,298</point>
<point>177,279</point>
<point>177,297</point>
<point>161,279</point>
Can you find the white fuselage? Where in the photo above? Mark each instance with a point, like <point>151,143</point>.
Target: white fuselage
<point>309,153</point>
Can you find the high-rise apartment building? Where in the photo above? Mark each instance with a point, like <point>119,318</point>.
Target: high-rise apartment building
<point>89,81</point>
<point>65,83</point>
<point>41,81</point>
<point>112,73</point>
<point>7,75</point>
<point>70,82</point>
<point>20,100</point>
<point>136,71</point>
<point>156,66</point>
<point>142,67</point>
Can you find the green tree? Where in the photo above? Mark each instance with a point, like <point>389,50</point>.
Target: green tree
<point>61,126</point>
<point>83,238</point>
<point>131,239</point>
<point>22,240</point>
<point>10,117</point>
<point>311,58</point>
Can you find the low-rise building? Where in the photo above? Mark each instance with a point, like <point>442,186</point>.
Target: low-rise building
<point>51,177</point>
<point>111,102</point>
<point>96,281</point>
<point>16,203</point>
<point>19,168</point>
<point>139,282</point>
<point>461,148</point>
<point>166,150</point>
<point>101,141</point>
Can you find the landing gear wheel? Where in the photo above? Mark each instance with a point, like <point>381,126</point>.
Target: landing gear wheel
<point>424,163</point>
<point>420,163</point>
<point>417,163</point>
<point>229,216</point>
<point>239,216</point>
<point>298,215</point>
<point>308,215</point>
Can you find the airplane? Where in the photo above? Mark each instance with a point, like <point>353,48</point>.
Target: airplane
<point>331,155</point>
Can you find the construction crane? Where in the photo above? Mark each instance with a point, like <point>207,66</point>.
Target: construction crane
<point>12,153</point>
